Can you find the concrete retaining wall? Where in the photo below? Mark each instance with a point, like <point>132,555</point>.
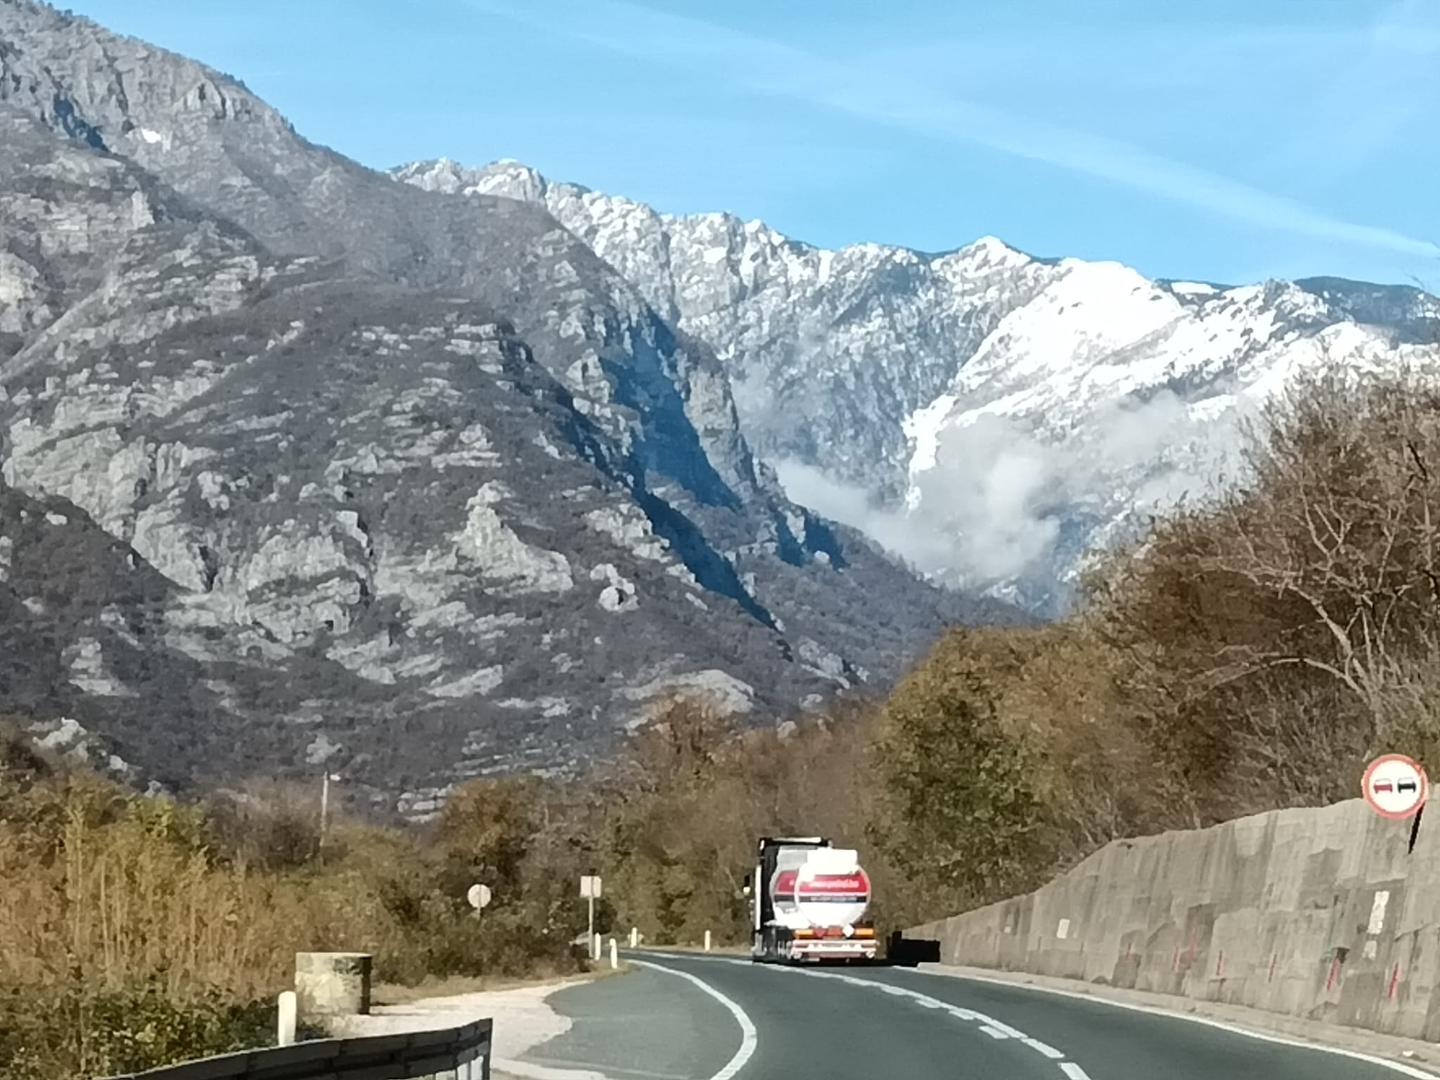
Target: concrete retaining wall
<point>1320,913</point>
<point>332,984</point>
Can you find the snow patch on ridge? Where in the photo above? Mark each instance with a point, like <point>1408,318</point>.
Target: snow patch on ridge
<point>988,415</point>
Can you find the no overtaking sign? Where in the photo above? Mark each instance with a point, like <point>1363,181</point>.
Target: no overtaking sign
<point>1396,786</point>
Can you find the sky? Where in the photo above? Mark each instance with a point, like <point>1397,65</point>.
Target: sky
<point>1229,141</point>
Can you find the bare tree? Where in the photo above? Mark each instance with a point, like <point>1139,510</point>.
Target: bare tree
<point>1300,611</point>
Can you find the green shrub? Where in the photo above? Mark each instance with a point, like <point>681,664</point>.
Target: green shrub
<point>44,1034</point>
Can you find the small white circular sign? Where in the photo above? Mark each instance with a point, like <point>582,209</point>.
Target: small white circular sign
<point>1396,786</point>
<point>479,896</point>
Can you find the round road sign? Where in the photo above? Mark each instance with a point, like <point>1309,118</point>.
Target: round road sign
<point>1395,786</point>
<point>478,896</point>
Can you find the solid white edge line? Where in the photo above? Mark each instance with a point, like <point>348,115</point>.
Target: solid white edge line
<point>1155,1010</point>
<point>748,1039</point>
<point>996,1029</point>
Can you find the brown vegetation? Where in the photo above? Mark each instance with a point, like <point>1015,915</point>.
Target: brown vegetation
<point>1251,653</point>
<point>1273,640</point>
<point>136,931</point>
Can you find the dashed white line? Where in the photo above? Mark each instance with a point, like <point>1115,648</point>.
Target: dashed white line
<point>1191,1018</point>
<point>1044,1048</point>
<point>747,1029</point>
<point>996,1029</point>
<point>1014,1033</point>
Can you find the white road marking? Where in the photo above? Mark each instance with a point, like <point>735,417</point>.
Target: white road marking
<point>1233,1029</point>
<point>1044,1048</point>
<point>747,1029</point>
<point>1014,1033</point>
<point>996,1029</point>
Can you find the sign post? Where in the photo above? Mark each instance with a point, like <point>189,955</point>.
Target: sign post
<point>590,890</point>
<point>324,811</point>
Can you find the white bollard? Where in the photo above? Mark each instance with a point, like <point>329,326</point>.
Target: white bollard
<point>707,940</point>
<point>614,955</point>
<point>595,954</point>
<point>634,937</point>
<point>285,1022</point>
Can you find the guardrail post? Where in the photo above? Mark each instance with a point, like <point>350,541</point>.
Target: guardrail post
<point>707,940</point>
<point>285,1019</point>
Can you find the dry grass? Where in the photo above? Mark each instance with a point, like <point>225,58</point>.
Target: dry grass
<point>126,892</point>
<point>155,939</point>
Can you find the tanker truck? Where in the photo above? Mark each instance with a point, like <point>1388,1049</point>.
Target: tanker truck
<point>809,902</point>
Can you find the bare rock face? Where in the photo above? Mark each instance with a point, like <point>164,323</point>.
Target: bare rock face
<point>301,467</point>
<point>989,415</point>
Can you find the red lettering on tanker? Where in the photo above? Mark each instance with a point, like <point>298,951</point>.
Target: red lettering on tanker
<point>823,885</point>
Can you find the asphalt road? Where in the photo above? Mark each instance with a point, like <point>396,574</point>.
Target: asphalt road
<point>684,1017</point>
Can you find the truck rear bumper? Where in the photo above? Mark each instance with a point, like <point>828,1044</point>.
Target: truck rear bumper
<point>831,949</point>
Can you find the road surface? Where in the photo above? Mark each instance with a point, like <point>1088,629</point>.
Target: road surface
<point>687,1017</point>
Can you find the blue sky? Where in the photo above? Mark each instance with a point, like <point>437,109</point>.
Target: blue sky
<point>1226,141</point>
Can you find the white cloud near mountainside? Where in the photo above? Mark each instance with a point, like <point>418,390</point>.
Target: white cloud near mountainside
<point>852,505</point>
<point>993,506</point>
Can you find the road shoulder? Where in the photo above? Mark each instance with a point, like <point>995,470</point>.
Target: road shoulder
<point>1415,1053</point>
<point>524,1020</point>
<point>655,1023</point>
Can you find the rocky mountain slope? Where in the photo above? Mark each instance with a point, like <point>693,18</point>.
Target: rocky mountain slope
<point>302,467</point>
<point>990,415</point>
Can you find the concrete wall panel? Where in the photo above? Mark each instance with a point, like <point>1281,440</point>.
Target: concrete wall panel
<point>1320,913</point>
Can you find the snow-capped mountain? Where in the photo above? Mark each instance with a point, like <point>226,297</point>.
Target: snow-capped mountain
<point>989,415</point>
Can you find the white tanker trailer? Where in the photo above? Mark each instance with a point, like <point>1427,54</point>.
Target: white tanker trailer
<point>809,902</point>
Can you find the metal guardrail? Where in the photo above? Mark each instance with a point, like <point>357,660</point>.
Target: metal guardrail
<point>454,1053</point>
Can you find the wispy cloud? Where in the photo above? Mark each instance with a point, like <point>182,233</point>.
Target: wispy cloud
<point>1377,87</point>
<point>899,99</point>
